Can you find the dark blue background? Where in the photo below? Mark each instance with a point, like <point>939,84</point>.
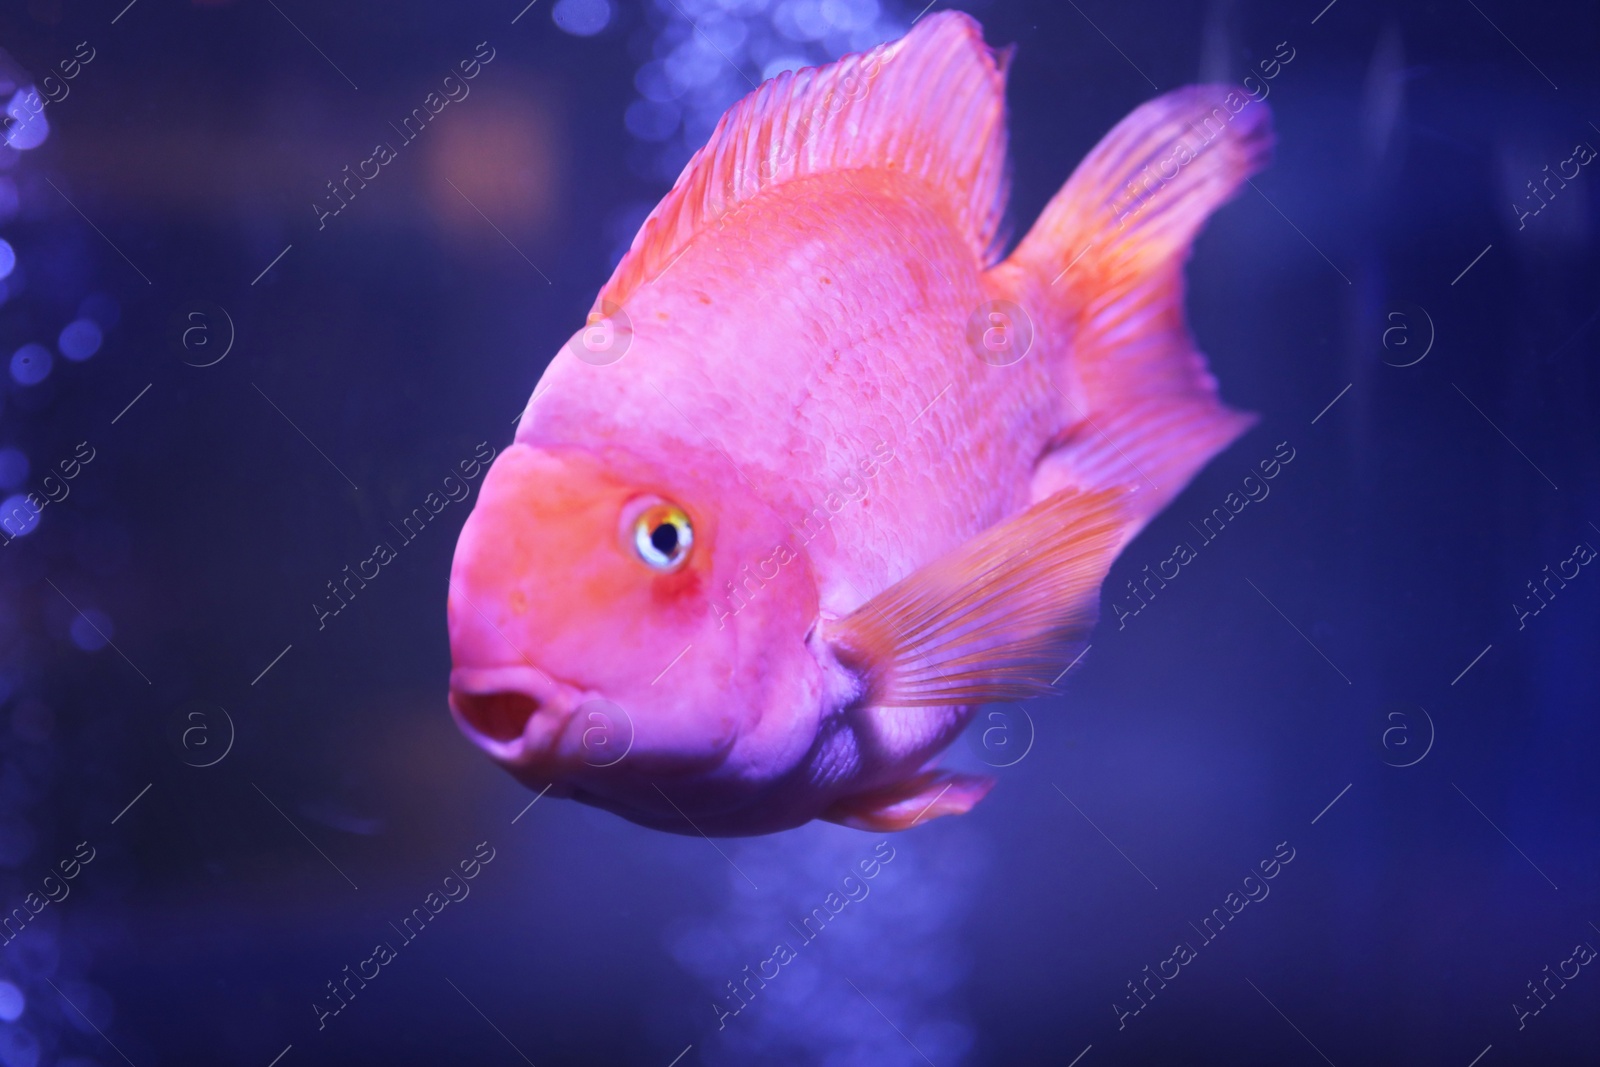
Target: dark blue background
<point>1197,738</point>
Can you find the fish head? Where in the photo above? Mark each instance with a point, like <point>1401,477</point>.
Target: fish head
<point>631,634</point>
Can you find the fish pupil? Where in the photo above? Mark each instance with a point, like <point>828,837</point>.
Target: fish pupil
<point>665,538</point>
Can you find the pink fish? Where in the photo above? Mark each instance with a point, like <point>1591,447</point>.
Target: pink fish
<point>824,473</point>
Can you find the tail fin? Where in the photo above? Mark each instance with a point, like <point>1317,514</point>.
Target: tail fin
<point>1107,254</point>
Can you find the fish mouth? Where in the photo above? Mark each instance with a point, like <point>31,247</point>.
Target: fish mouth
<point>517,715</point>
<point>501,716</point>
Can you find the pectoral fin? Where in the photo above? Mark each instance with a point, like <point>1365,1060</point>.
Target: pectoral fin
<point>925,796</point>
<point>997,619</point>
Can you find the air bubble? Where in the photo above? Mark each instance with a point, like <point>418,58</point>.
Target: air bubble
<point>582,18</point>
<point>30,364</point>
<point>79,340</point>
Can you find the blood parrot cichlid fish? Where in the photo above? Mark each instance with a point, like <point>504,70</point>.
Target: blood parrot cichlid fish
<point>824,473</point>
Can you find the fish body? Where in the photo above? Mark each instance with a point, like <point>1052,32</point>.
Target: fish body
<point>823,473</point>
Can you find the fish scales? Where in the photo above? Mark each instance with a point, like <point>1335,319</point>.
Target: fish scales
<point>881,355</point>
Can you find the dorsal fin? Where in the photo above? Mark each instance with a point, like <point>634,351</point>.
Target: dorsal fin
<point>931,104</point>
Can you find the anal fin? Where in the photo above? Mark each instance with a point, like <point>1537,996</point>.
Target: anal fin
<point>903,805</point>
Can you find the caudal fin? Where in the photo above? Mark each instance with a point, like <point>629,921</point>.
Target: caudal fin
<point>1106,258</point>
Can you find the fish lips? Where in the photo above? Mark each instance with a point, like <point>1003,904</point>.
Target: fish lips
<point>517,714</point>
<point>543,729</point>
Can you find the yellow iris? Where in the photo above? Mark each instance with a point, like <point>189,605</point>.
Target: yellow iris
<point>662,536</point>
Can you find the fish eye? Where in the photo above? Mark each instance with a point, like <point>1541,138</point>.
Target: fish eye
<point>662,536</point>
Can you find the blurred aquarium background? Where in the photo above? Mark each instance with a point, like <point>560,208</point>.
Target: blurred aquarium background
<point>225,392</point>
